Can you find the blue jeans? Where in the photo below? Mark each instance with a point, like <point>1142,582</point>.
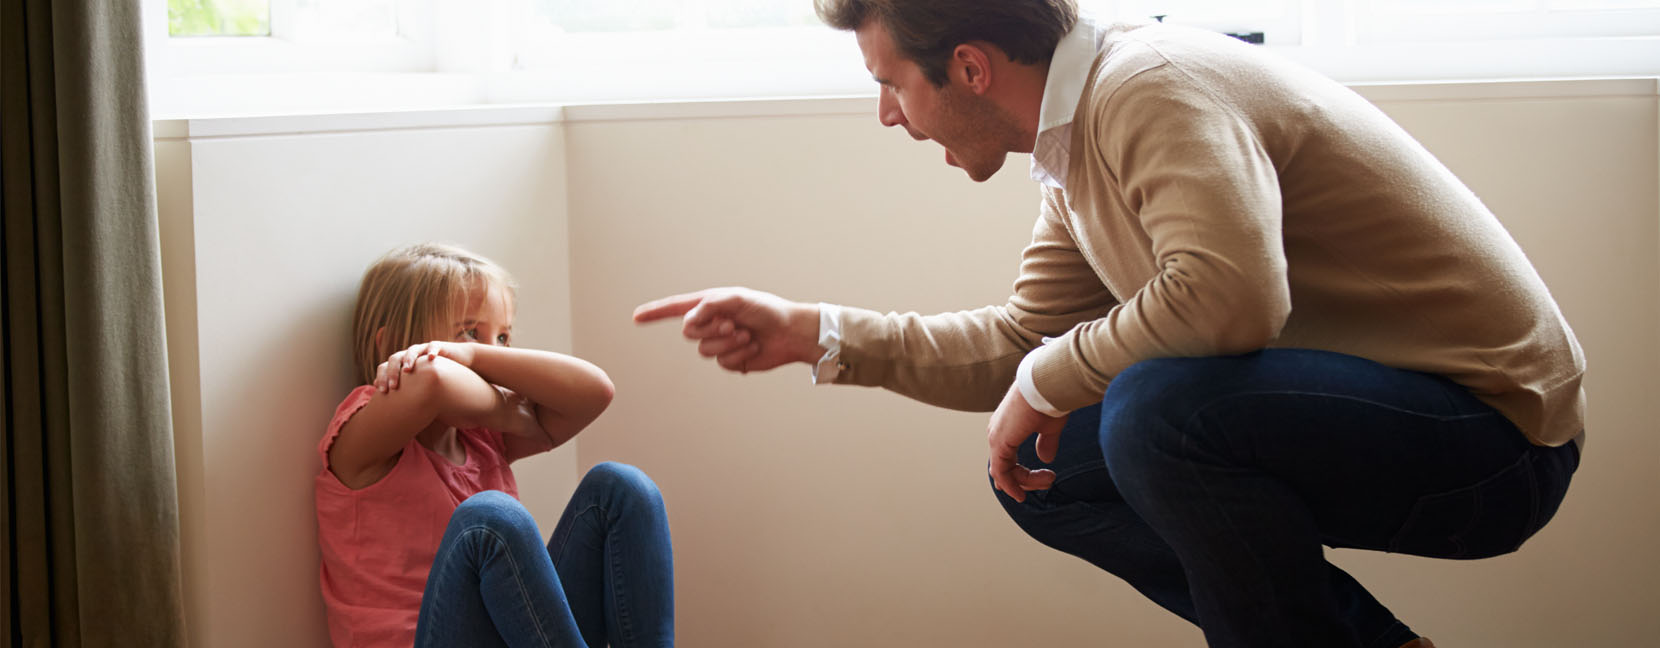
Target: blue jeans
<point>1211,484</point>
<point>606,577</point>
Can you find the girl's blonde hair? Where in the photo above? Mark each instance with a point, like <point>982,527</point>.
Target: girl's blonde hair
<point>411,292</point>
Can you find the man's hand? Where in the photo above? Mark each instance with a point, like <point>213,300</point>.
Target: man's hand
<point>1012,423</point>
<point>743,330</point>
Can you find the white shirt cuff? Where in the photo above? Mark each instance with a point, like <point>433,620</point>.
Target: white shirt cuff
<point>1023,379</point>
<point>829,337</point>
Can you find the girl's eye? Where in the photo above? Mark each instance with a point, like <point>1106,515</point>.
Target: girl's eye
<point>470,334</point>
<point>501,339</point>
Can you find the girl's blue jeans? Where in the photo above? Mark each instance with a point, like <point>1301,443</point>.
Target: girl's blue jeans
<point>1211,484</point>
<point>605,578</point>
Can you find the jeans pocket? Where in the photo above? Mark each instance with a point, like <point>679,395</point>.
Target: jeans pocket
<point>1489,518</point>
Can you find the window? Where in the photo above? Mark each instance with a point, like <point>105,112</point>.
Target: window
<point>1278,20</point>
<point>218,18</point>
<point>1393,40</point>
<point>286,55</point>
<point>288,36</point>
<point>1487,20</point>
<point>653,15</point>
<point>604,50</point>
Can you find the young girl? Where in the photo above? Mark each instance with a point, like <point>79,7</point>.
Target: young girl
<point>423,540</point>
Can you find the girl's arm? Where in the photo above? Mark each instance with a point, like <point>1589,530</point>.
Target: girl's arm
<point>436,389</point>
<point>548,398</point>
<point>568,393</point>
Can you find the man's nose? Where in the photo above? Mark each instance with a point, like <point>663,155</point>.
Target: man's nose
<point>888,111</point>
<point>894,117</point>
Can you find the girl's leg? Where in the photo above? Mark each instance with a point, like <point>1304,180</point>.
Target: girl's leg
<point>492,583</point>
<point>612,550</point>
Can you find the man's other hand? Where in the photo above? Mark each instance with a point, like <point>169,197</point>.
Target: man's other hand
<point>1012,423</point>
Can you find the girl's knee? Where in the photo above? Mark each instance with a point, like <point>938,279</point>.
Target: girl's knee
<point>624,482</point>
<point>492,509</point>
<point>486,502</point>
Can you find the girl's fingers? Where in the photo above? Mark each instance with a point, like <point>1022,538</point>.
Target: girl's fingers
<point>399,366</point>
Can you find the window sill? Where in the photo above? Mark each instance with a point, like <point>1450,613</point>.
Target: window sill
<point>461,116</point>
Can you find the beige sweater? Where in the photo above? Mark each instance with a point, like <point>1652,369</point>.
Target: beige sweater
<point>1221,200</point>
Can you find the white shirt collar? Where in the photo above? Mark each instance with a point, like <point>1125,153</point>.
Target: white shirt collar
<point>1068,74</point>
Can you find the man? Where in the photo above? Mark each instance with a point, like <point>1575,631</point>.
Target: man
<point>1255,318</point>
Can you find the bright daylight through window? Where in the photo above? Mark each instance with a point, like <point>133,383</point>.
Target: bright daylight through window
<point>275,55</point>
<point>218,18</point>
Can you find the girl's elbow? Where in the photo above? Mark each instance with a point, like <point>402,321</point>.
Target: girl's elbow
<point>432,384</point>
<point>458,394</point>
<point>597,394</point>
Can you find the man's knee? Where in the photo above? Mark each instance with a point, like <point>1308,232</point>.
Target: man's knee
<point>1033,516</point>
<point>1156,387</point>
<point>1146,414</point>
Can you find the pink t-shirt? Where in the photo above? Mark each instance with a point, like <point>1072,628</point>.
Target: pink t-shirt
<point>378,542</point>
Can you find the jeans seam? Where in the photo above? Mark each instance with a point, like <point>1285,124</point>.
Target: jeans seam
<point>565,546</point>
<point>1092,467</point>
<point>518,579</point>
<point>1201,409</point>
<point>613,563</point>
<point>1534,498</point>
<point>1525,462</point>
<point>619,598</point>
<point>1374,639</point>
<point>1477,503</point>
<point>1189,444</point>
<point>1189,448</point>
<point>1384,632</point>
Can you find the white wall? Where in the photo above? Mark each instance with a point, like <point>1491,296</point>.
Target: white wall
<point>833,516</point>
<point>825,516</point>
<point>267,227</point>
<point>1575,179</point>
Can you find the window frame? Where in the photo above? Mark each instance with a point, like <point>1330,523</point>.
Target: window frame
<point>410,51</point>
<point>1541,22</point>
<point>457,52</point>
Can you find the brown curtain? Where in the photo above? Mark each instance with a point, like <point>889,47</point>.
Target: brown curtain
<point>91,544</point>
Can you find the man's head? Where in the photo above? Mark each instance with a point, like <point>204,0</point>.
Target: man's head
<point>926,31</point>
<point>967,74</point>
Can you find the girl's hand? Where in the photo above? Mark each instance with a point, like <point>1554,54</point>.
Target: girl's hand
<point>387,375</point>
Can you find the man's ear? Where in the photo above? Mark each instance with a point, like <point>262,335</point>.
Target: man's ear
<point>971,64</point>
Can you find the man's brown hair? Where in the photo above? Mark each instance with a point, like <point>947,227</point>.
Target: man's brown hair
<point>926,31</point>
